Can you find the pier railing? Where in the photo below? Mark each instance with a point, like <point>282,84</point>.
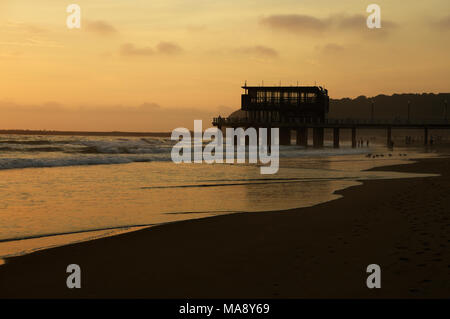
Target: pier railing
<point>245,121</point>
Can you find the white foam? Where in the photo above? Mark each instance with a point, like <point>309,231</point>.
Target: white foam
<point>11,163</point>
<point>113,150</point>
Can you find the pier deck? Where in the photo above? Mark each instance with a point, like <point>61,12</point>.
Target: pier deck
<point>301,127</point>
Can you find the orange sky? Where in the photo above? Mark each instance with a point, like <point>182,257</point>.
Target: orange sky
<point>141,65</point>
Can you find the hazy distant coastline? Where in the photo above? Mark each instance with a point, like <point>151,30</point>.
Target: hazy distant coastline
<point>85,133</point>
<point>425,106</point>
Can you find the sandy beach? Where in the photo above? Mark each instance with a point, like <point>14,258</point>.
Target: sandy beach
<point>317,252</point>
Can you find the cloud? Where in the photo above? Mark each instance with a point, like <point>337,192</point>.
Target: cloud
<point>129,49</point>
<point>169,48</point>
<point>330,48</point>
<point>164,48</point>
<point>100,27</point>
<point>33,29</point>
<point>443,24</point>
<point>20,34</point>
<point>24,27</point>
<point>259,51</point>
<point>294,23</point>
<point>345,22</point>
<point>32,42</point>
<point>305,24</point>
<point>357,22</point>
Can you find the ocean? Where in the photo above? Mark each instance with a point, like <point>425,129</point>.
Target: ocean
<point>57,190</point>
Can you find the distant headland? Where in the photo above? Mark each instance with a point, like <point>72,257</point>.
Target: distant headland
<point>425,106</point>
<point>87,133</point>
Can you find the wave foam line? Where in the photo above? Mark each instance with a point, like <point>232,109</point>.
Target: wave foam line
<point>73,232</point>
<point>318,179</point>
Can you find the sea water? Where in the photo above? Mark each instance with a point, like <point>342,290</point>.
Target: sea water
<point>56,190</point>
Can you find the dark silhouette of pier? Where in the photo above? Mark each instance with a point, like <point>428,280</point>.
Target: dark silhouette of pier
<point>336,125</point>
<point>301,108</point>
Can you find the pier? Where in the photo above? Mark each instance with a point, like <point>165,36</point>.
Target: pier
<point>302,108</point>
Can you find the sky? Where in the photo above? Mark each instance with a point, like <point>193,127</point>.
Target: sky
<point>154,65</point>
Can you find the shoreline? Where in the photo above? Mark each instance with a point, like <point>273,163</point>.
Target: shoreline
<point>92,234</point>
<point>274,254</point>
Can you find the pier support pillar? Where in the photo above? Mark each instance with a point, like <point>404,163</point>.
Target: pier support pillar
<point>318,136</point>
<point>336,137</point>
<point>247,139</point>
<point>425,136</point>
<point>354,137</point>
<point>285,136</point>
<point>389,136</point>
<point>224,133</point>
<point>302,136</point>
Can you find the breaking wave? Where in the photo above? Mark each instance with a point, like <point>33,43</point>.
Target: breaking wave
<point>54,151</point>
<point>11,163</point>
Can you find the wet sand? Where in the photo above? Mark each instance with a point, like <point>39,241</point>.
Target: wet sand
<point>316,252</point>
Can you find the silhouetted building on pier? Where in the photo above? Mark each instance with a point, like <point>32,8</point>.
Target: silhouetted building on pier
<point>307,104</point>
<point>302,108</point>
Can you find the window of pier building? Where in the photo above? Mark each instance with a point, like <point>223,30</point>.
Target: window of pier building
<point>311,97</point>
<point>293,98</point>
